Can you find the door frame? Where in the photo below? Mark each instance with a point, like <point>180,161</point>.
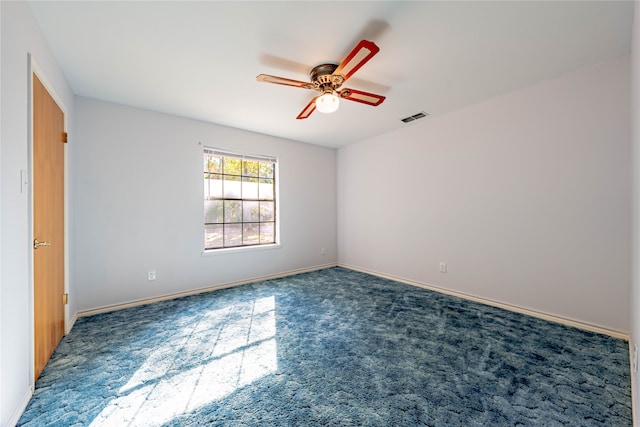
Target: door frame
<point>33,68</point>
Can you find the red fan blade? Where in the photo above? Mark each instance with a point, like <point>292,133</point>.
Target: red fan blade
<point>363,97</point>
<point>363,52</point>
<point>306,112</point>
<point>286,82</point>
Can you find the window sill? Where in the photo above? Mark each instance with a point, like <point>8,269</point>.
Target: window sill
<point>240,249</point>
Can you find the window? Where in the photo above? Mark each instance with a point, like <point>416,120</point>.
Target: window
<point>239,200</point>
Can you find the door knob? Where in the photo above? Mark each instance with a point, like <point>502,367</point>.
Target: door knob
<point>37,244</point>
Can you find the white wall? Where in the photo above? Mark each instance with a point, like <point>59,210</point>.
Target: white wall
<point>138,205</point>
<point>20,36</point>
<point>525,197</point>
<point>635,197</point>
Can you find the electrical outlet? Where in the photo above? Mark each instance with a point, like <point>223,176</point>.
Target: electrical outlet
<point>635,358</point>
<point>323,251</point>
<point>443,267</point>
<point>151,275</point>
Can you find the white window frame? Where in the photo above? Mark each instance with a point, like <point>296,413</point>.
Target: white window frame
<point>243,180</point>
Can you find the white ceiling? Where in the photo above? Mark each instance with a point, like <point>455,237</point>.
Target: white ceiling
<point>200,59</point>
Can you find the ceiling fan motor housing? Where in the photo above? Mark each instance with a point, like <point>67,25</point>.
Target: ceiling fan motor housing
<point>322,76</point>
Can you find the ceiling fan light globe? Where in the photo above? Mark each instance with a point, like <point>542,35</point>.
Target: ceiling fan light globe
<point>327,103</point>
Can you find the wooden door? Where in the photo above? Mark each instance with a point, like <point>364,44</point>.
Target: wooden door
<point>48,225</point>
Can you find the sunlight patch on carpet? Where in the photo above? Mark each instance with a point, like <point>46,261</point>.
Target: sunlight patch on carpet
<point>240,352</point>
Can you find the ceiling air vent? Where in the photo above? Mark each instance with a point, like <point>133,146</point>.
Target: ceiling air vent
<point>415,117</point>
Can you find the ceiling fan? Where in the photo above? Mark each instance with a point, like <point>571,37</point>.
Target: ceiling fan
<point>328,78</point>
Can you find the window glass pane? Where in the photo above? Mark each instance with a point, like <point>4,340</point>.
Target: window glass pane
<point>266,211</point>
<point>213,236</point>
<point>239,200</point>
<point>233,234</point>
<point>213,164</point>
<point>213,211</point>
<point>232,211</point>
<point>232,187</point>
<point>250,168</point>
<point>232,166</point>
<point>250,234</point>
<point>250,188</point>
<point>250,211</point>
<point>206,186</point>
<point>266,170</point>
<point>267,233</point>
<point>215,186</point>
<point>266,189</point>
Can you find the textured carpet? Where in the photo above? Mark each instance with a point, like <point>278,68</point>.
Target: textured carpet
<point>330,348</point>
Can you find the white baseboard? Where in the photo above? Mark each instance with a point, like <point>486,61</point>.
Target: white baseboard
<point>72,322</point>
<point>15,416</point>
<point>108,308</point>
<point>509,307</point>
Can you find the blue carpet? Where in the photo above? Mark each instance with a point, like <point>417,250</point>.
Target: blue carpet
<point>330,348</point>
